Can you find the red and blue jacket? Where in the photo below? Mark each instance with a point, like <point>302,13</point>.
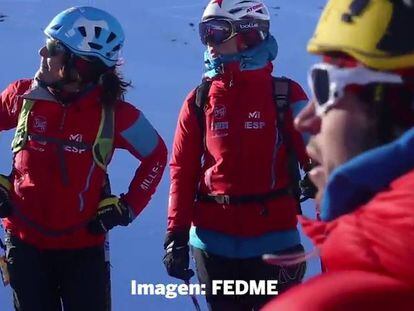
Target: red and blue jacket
<point>240,153</point>
<point>57,187</point>
<point>366,236</point>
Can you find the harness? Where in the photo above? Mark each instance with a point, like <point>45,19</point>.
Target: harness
<point>102,150</point>
<point>281,92</point>
<point>241,199</point>
<point>102,147</point>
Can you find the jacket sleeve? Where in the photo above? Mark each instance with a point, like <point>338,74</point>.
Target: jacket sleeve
<point>298,99</point>
<point>135,134</point>
<point>185,167</point>
<point>11,103</point>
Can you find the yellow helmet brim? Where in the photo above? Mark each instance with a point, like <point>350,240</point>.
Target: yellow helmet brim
<point>360,36</point>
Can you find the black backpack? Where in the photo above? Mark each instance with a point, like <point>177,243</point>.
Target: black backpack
<point>281,93</point>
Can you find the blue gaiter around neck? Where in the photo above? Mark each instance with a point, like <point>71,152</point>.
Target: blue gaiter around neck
<point>355,182</point>
<point>252,59</point>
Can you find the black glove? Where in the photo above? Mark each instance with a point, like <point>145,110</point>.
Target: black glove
<point>5,205</point>
<point>112,211</point>
<point>307,187</point>
<point>176,259</point>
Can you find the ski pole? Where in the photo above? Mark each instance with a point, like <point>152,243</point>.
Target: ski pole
<point>193,297</point>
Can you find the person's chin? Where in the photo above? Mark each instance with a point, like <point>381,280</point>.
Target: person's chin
<point>40,74</point>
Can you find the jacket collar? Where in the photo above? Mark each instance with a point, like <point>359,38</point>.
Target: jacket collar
<point>39,92</point>
<point>232,74</point>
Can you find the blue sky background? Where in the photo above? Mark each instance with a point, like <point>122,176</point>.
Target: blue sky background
<point>164,60</point>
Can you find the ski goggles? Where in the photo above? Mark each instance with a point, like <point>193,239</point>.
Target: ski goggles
<point>55,47</point>
<point>217,31</point>
<point>328,82</point>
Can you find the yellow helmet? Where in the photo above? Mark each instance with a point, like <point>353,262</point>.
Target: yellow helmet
<point>377,33</point>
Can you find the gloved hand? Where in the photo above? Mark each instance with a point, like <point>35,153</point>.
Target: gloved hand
<point>5,204</point>
<point>176,259</point>
<point>112,211</point>
<point>307,187</point>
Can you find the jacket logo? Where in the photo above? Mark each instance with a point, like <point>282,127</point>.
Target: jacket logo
<point>75,149</point>
<point>256,124</point>
<point>254,115</point>
<point>219,112</point>
<point>40,124</point>
<point>216,126</point>
<point>153,175</point>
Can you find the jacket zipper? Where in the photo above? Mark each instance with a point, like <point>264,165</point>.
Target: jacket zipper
<point>63,119</point>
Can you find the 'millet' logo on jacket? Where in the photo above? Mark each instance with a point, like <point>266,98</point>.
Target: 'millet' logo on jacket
<point>254,122</point>
<point>75,149</point>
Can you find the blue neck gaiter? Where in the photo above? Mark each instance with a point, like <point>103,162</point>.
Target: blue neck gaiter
<point>358,180</point>
<point>252,59</point>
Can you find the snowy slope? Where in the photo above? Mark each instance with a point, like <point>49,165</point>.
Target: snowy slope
<point>163,58</point>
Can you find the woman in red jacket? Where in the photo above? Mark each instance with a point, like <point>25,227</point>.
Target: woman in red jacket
<point>361,120</point>
<point>229,192</point>
<point>56,203</point>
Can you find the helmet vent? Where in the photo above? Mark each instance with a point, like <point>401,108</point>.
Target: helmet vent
<point>82,31</point>
<point>95,46</point>
<point>57,27</point>
<point>111,37</point>
<point>116,48</point>
<point>233,11</point>
<point>97,32</point>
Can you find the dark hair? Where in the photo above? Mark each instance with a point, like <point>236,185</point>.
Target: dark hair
<point>392,106</point>
<point>91,70</point>
<point>113,86</point>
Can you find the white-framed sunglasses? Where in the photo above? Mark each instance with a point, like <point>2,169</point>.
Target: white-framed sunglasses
<point>327,82</point>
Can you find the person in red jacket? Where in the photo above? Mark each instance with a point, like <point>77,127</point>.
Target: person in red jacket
<point>361,119</point>
<point>229,195</point>
<point>56,203</point>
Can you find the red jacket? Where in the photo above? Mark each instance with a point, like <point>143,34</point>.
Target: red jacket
<point>244,156</point>
<point>50,212</point>
<point>369,255</point>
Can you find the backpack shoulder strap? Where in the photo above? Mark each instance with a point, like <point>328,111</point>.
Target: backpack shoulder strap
<point>201,95</point>
<point>103,146</point>
<point>281,94</point>
<point>20,135</point>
